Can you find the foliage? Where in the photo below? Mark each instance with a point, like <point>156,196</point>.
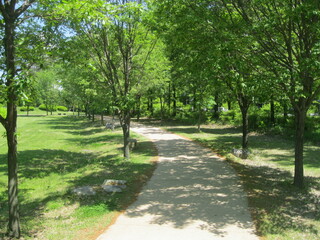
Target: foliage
<point>62,108</point>
<point>50,108</point>
<point>27,108</point>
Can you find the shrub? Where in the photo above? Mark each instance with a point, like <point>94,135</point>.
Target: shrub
<point>50,108</point>
<point>25,109</point>
<point>227,117</point>
<point>62,108</point>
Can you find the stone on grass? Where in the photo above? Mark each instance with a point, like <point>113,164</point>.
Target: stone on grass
<point>84,191</point>
<point>112,185</point>
<point>110,188</point>
<point>114,182</point>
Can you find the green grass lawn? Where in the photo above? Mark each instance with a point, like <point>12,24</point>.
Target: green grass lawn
<point>280,211</point>
<point>57,154</point>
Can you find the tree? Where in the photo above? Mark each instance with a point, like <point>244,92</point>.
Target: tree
<point>11,13</point>
<point>48,87</point>
<point>116,37</point>
<point>288,34</point>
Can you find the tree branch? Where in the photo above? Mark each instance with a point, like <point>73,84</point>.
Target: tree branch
<point>24,7</point>
<point>3,10</point>
<point>3,122</point>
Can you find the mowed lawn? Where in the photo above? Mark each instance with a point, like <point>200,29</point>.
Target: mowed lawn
<point>57,154</point>
<point>280,211</point>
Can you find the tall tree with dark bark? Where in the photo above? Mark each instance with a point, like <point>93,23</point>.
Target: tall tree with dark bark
<point>120,45</point>
<point>11,11</point>
<point>288,32</point>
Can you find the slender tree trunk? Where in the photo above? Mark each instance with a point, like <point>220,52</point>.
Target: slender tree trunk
<point>194,100</point>
<point>151,107</point>
<point>174,100</point>
<point>285,111</point>
<point>169,100</point>
<point>229,105</point>
<point>272,113</point>
<point>161,108</point>
<point>216,107</point>
<point>138,107</point>
<point>14,219</point>
<point>125,124</point>
<point>300,116</point>
<point>11,125</point>
<point>101,118</point>
<point>244,105</point>
<point>244,112</point>
<point>199,118</point>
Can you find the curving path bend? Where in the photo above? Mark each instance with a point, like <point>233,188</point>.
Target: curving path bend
<point>193,195</point>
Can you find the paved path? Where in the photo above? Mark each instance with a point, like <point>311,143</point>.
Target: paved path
<point>193,195</point>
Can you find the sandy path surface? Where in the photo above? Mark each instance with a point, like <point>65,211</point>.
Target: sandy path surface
<point>193,195</point>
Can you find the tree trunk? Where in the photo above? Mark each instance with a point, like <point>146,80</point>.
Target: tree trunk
<point>161,108</point>
<point>101,118</point>
<point>300,116</point>
<point>199,118</point>
<point>285,111</point>
<point>138,107</point>
<point>216,107</point>
<point>174,100</point>
<point>11,125</point>
<point>229,105</point>
<point>194,100</point>
<point>169,99</point>
<point>272,113</point>
<point>151,107</point>
<point>14,219</point>
<point>125,124</point>
<point>244,112</point>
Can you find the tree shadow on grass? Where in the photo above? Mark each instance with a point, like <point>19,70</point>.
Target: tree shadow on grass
<point>279,206</point>
<point>41,163</point>
<point>65,122</point>
<point>97,140</point>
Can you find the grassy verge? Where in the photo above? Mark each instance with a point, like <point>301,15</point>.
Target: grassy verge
<point>280,210</point>
<point>59,153</point>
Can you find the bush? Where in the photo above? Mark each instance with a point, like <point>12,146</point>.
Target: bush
<point>227,117</point>
<point>62,108</point>
<point>50,108</point>
<point>25,109</point>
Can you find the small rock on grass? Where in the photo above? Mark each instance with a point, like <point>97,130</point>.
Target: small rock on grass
<point>112,185</point>
<point>110,188</point>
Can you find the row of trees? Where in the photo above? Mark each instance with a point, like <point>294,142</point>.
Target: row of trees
<point>118,54</point>
<point>257,51</point>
